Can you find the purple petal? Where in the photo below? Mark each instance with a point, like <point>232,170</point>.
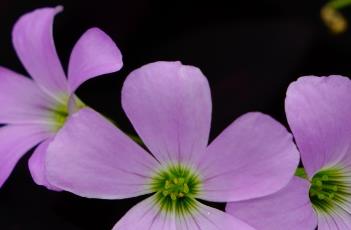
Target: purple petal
<point>92,158</point>
<point>147,215</point>
<point>34,44</point>
<point>37,165</point>
<point>21,100</point>
<point>94,54</point>
<point>212,219</point>
<point>339,219</point>
<point>319,114</point>
<point>169,105</point>
<point>255,156</point>
<point>15,141</point>
<point>289,207</point>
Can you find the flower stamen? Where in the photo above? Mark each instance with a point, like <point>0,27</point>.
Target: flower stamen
<point>329,188</point>
<point>176,188</point>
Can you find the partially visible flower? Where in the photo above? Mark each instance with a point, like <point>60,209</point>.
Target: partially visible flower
<point>34,110</point>
<point>169,105</point>
<point>319,114</point>
<point>333,19</point>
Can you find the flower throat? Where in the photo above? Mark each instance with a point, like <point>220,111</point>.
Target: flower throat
<point>329,189</point>
<point>176,188</point>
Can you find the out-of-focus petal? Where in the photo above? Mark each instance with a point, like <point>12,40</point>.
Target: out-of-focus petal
<point>319,114</point>
<point>32,38</point>
<point>37,165</point>
<point>289,207</point>
<point>15,141</point>
<point>147,215</point>
<point>21,100</point>
<point>92,158</point>
<point>169,105</point>
<point>94,54</point>
<point>255,156</point>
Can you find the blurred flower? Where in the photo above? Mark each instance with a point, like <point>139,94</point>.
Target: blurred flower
<point>332,17</point>
<point>169,105</point>
<point>319,113</point>
<point>34,110</point>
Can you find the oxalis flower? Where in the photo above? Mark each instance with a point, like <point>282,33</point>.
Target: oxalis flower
<point>33,110</point>
<point>169,105</point>
<point>319,114</point>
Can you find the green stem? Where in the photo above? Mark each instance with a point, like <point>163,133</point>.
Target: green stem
<point>339,4</point>
<point>136,139</point>
<point>300,172</point>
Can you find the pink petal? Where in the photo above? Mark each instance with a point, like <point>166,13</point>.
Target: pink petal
<point>169,105</point>
<point>94,54</point>
<point>147,215</point>
<point>319,114</point>
<point>255,156</point>
<point>212,219</point>
<point>92,158</point>
<point>15,141</point>
<point>37,165</point>
<point>289,207</point>
<point>34,44</point>
<point>339,219</point>
<point>21,100</point>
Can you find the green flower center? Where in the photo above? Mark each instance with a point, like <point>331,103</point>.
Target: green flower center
<point>329,188</point>
<point>59,112</point>
<point>59,115</point>
<point>176,188</point>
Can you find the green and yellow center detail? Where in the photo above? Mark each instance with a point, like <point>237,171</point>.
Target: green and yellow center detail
<point>59,115</point>
<point>329,189</point>
<point>60,112</point>
<point>176,188</point>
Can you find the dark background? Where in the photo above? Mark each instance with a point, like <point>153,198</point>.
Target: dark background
<point>249,50</point>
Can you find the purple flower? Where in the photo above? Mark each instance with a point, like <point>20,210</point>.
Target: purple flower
<point>319,113</point>
<point>34,110</point>
<point>169,105</point>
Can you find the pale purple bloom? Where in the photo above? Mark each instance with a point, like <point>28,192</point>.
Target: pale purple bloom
<point>33,110</point>
<point>319,114</point>
<point>169,105</point>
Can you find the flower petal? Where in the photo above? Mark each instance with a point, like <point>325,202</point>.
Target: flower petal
<point>339,219</point>
<point>289,207</point>
<point>92,158</point>
<point>32,38</point>
<point>15,141</point>
<point>255,156</point>
<point>319,114</point>
<point>21,100</point>
<point>147,215</point>
<point>212,219</point>
<point>94,54</point>
<point>37,165</point>
<point>169,105</point>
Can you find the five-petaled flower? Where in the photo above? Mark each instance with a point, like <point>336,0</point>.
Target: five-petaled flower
<point>169,105</point>
<point>34,110</point>
<point>319,114</point>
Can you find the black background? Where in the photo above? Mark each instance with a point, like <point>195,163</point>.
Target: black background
<point>249,50</point>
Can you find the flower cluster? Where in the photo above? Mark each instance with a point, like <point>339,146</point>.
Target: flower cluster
<point>250,165</point>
